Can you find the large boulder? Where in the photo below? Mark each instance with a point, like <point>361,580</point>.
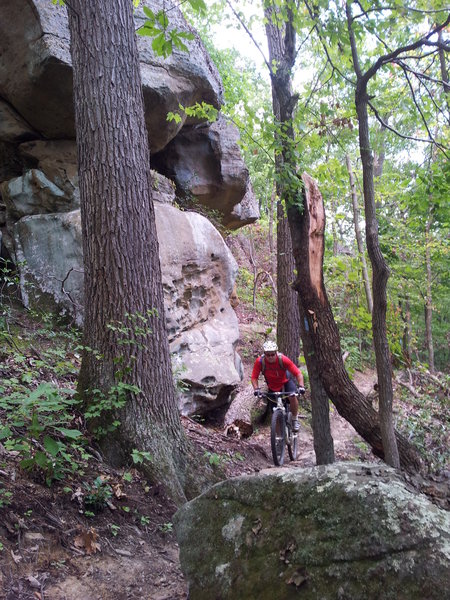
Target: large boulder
<point>346,531</point>
<point>12,127</point>
<point>36,102</point>
<point>198,274</point>
<point>39,195</point>
<point>48,250</point>
<point>36,71</point>
<point>33,194</point>
<point>205,163</point>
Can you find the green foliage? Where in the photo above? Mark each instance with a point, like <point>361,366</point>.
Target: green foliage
<point>139,457</point>
<point>424,419</point>
<point>104,403</point>
<point>97,495</point>
<point>178,368</point>
<point>5,497</point>
<point>166,527</point>
<point>164,40</point>
<point>37,425</point>
<point>202,111</point>
<point>213,458</point>
<point>134,329</point>
<point>217,460</point>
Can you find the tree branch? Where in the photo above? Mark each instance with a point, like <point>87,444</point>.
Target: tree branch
<point>387,58</point>
<point>249,33</point>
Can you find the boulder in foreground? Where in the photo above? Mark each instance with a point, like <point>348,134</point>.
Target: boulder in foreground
<point>348,531</point>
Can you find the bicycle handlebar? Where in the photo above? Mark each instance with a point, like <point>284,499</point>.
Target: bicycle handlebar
<point>272,395</point>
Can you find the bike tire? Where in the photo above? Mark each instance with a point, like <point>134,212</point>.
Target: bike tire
<point>292,440</point>
<point>278,437</point>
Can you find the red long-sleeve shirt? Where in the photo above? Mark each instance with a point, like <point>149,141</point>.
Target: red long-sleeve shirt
<point>274,375</point>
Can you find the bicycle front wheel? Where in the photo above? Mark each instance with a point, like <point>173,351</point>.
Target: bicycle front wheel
<point>292,440</point>
<point>277,437</point>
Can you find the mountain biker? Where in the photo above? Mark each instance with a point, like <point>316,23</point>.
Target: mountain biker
<point>277,370</point>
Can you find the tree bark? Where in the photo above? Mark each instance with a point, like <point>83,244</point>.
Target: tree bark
<point>307,231</point>
<point>444,71</point>
<point>288,317</point>
<point>429,296</point>
<point>273,196</point>
<point>380,271</point>
<point>281,38</point>
<point>358,235</point>
<point>124,308</point>
<point>406,317</point>
<point>320,410</point>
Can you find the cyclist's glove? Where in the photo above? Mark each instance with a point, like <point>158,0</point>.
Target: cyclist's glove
<point>257,393</point>
<point>301,389</point>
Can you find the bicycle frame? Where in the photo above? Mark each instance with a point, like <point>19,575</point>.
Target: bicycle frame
<point>281,431</point>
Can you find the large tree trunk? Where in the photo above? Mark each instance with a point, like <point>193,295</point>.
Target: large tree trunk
<point>323,440</point>
<point>380,275</point>
<point>358,235</point>
<point>124,309</point>
<point>288,317</point>
<point>281,39</point>
<point>380,271</point>
<point>307,231</point>
<point>271,208</point>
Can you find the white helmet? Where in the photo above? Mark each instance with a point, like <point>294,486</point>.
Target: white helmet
<point>270,346</point>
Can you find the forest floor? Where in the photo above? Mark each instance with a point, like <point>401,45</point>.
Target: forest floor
<point>51,548</point>
<point>52,551</point>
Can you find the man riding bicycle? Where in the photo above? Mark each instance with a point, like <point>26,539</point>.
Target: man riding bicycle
<point>276,369</point>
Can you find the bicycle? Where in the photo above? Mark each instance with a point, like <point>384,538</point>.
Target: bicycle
<point>281,430</point>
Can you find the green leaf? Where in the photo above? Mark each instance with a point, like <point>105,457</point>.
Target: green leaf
<point>198,5</point>
<point>41,459</point>
<point>73,434</point>
<point>5,432</point>
<point>148,12</point>
<point>51,445</point>
<point>162,19</point>
<point>27,463</point>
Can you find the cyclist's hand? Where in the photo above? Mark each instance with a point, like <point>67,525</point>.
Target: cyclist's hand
<point>301,390</point>
<point>257,393</point>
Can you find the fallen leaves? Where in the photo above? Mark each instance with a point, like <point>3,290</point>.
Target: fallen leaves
<point>87,540</point>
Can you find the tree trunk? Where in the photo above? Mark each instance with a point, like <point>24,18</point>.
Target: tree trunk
<point>124,309</point>
<point>406,317</point>
<point>288,317</point>
<point>281,41</point>
<point>307,231</point>
<point>323,440</point>
<point>359,240</point>
<point>380,271</point>
<point>444,71</point>
<point>429,297</point>
<point>273,196</point>
<point>380,275</point>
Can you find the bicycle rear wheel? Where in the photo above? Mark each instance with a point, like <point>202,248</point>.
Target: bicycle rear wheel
<point>278,437</point>
<point>292,440</point>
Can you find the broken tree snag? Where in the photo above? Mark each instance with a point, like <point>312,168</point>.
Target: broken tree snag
<point>316,213</point>
<point>324,346</point>
<point>238,418</point>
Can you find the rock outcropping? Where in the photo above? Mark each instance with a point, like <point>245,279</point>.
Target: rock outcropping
<point>348,531</point>
<point>39,219</point>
